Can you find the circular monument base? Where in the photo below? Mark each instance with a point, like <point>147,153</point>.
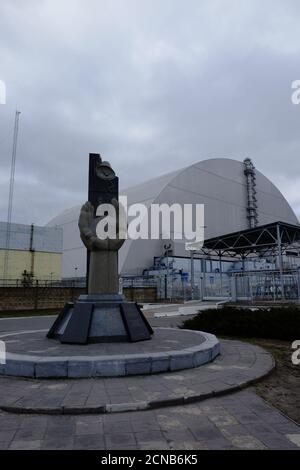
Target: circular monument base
<point>30,354</point>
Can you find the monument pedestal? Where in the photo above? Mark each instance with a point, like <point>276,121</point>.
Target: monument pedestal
<point>100,318</point>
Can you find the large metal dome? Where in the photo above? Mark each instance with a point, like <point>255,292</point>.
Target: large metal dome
<point>219,184</point>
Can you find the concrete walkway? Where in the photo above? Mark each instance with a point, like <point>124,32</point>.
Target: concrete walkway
<point>237,421</point>
<point>238,365</point>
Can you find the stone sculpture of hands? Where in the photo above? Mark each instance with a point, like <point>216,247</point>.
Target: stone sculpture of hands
<point>87,225</point>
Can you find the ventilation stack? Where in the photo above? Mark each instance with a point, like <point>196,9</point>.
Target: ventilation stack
<point>249,172</point>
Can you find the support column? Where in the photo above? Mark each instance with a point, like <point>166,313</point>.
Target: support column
<point>280,263</point>
<point>202,280</point>
<point>221,273</point>
<point>233,288</point>
<point>192,275</point>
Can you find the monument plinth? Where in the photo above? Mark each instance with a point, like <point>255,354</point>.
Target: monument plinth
<point>103,315</point>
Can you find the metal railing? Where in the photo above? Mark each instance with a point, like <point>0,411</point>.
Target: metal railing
<point>42,283</point>
<point>267,286</point>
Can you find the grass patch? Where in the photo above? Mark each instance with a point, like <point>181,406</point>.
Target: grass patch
<point>282,323</point>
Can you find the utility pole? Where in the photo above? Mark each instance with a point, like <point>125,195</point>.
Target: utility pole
<point>11,193</point>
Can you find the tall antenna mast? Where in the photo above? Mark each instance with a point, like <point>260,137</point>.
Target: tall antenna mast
<point>11,194</point>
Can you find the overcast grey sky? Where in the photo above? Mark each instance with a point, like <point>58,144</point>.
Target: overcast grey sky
<point>153,85</point>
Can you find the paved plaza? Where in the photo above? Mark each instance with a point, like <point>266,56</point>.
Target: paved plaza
<point>238,421</point>
<point>210,407</point>
<point>239,364</point>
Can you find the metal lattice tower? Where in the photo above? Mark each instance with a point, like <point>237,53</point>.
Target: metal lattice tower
<point>11,193</point>
<point>252,214</point>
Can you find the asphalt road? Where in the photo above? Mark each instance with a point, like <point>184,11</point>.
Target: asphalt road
<point>26,323</point>
<point>44,322</point>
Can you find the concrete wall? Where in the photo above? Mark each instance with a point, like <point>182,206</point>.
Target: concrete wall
<point>45,239</point>
<point>43,264</point>
<point>32,248</point>
<point>33,298</point>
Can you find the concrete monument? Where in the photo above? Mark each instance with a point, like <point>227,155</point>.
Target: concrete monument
<point>103,315</point>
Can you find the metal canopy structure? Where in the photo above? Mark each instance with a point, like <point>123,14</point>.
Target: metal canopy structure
<point>277,238</point>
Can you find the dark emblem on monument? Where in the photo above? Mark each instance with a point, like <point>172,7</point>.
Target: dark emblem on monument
<point>103,315</point>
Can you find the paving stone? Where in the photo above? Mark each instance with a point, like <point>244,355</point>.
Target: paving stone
<point>6,435</point>
<point>259,428</point>
<point>55,443</point>
<point>119,439</point>
<point>34,422</point>
<point>247,418</point>
<point>4,445</point>
<point>294,438</point>
<point>116,428</point>
<point>59,431</point>
<point>188,445</point>
<point>247,443</point>
<point>273,417</point>
<point>10,422</point>
<point>124,447</point>
<point>146,436</point>
<point>204,433</point>
<point>30,433</point>
<point>219,443</point>
<point>89,441</point>
<point>154,445</point>
<point>59,420</point>
<point>88,428</point>
<point>25,445</point>
<point>287,428</point>
<point>222,420</point>
<point>140,426</point>
<point>276,441</point>
<point>235,430</point>
<point>179,435</point>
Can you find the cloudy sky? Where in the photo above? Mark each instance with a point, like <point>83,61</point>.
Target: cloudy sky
<point>153,85</point>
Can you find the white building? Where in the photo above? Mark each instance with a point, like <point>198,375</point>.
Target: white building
<point>220,184</point>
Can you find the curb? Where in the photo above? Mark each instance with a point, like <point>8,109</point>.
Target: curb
<point>102,366</point>
<point>138,406</point>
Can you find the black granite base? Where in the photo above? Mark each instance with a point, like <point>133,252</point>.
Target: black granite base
<point>100,319</point>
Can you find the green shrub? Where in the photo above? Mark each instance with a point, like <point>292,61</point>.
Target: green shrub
<point>275,323</point>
